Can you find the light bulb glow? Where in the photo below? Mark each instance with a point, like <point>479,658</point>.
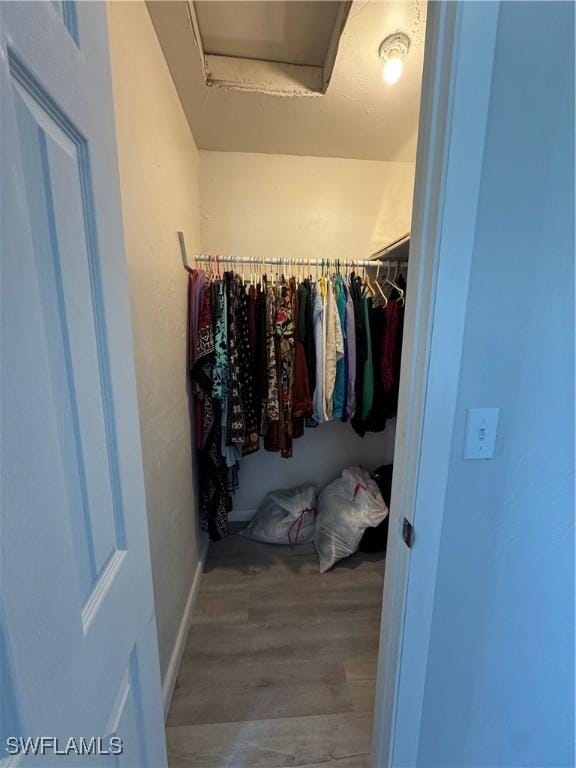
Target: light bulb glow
<point>392,51</point>
<point>392,70</point>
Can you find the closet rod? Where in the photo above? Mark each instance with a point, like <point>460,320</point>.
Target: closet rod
<point>377,257</point>
<point>295,262</point>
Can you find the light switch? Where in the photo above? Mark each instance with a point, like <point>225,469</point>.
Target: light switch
<point>480,439</point>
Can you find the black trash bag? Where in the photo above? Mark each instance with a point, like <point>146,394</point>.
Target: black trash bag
<point>375,539</point>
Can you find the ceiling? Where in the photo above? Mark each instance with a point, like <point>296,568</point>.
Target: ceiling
<point>296,32</point>
<point>359,116</point>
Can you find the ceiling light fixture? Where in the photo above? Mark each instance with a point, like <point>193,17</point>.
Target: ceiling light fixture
<point>393,50</point>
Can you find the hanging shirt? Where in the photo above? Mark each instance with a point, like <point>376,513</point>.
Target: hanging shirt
<point>334,349</point>
<point>368,382</point>
<point>215,501</point>
<point>272,400</point>
<point>285,362</point>
<point>307,332</point>
<point>391,350</point>
<point>230,453</point>
<point>246,371</point>
<point>261,365</point>
<point>196,285</point>
<point>340,384</point>
<point>351,358</point>
<point>376,421</point>
<point>301,399</point>
<point>361,352</point>
<point>318,321</point>
<point>236,425</point>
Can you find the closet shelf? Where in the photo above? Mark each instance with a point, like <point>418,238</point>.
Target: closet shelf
<point>401,245</point>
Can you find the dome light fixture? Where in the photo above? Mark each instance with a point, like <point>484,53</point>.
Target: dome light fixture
<point>393,50</point>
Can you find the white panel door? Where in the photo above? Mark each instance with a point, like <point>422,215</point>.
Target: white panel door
<point>78,648</point>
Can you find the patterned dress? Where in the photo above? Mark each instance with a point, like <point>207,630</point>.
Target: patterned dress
<point>284,330</point>
<point>215,501</point>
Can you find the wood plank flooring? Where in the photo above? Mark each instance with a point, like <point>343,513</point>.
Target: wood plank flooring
<point>280,664</point>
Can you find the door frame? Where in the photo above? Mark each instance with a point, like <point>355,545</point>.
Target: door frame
<point>456,88</point>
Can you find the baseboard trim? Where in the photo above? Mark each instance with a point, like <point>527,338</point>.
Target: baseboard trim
<point>241,515</point>
<point>178,650</point>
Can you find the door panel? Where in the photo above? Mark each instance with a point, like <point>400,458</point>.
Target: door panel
<point>56,155</point>
<point>78,629</point>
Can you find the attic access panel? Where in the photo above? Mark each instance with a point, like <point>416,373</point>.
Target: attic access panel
<point>286,47</point>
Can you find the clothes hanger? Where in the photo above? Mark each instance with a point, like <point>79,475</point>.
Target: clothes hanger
<point>378,286</point>
<point>368,284</point>
<point>394,285</point>
<point>401,299</point>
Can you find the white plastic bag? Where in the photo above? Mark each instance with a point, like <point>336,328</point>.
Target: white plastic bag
<point>285,517</point>
<point>346,508</point>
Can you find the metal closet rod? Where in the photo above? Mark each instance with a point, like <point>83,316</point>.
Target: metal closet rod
<point>202,257</point>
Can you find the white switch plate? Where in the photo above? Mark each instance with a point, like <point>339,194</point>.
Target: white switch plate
<point>480,439</point>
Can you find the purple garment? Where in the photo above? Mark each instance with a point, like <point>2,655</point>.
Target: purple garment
<point>351,357</point>
<point>196,283</point>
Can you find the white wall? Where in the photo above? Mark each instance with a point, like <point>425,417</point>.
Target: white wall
<point>500,679</point>
<point>319,456</point>
<point>159,181</point>
<point>304,207</point>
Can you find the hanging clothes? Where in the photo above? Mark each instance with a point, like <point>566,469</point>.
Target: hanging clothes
<point>361,352</point>
<point>215,500</point>
<point>391,348</point>
<point>301,398</point>
<point>236,427</point>
<point>268,360</point>
<point>220,375</point>
<point>375,421</point>
<point>252,329</point>
<point>334,350</point>
<point>286,318</point>
<point>340,383</point>
<point>350,358</point>
<point>368,378</point>
<point>319,343</point>
<point>307,330</point>
<point>272,400</point>
<point>261,364</point>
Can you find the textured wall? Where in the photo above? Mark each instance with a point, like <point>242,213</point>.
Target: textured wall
<point>500,681</point>
<point>159,181</point>
<point>304,207</point>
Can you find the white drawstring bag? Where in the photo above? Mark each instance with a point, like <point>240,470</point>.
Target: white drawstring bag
<point>284,517</point>
<point>346,508</point>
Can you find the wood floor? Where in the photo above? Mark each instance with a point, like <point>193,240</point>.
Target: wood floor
<point>280,664</point>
